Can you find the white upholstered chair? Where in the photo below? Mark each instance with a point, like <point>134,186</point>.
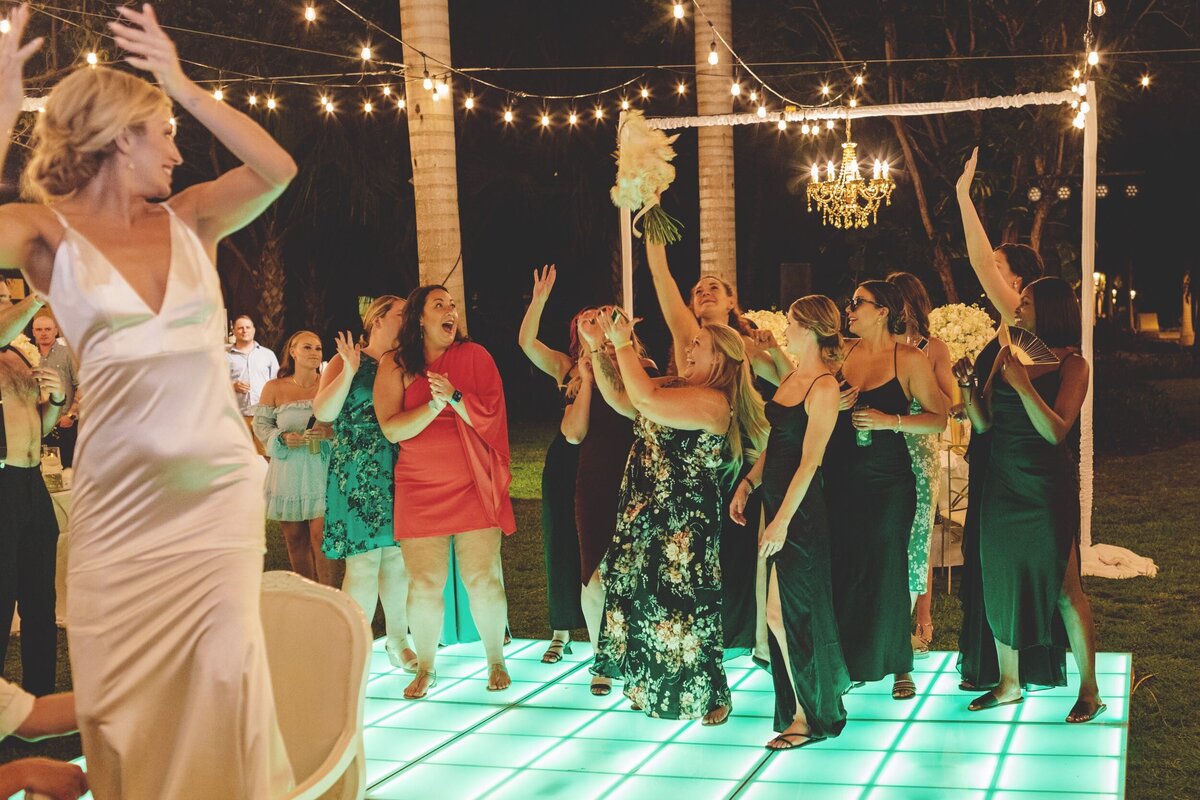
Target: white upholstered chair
<point>318,646</point>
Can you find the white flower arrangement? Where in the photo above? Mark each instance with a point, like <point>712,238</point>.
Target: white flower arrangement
<point>27,348</point>
<point>644,172</point>
<point>774,321</point>
<point>965,329</point>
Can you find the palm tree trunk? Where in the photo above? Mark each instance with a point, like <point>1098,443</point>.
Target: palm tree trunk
<point>718,223</point>
<point>425,25</point>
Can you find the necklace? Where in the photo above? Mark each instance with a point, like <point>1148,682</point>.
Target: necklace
<point>302,385</point>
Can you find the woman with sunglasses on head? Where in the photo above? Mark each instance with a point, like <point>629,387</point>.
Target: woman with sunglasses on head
<point>806,656</point>
<point>662,574</point>
<point>172,687</point>
<point>1029,517</point>
<point>560,541</point>
<point>714,302</point>
<point>870,488</point>
<point>923,449</point>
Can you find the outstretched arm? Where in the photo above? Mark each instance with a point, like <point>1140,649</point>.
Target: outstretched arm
<point>680,320</point>
<point>979,250</point>
<point>17,234</point>
<point>14,318</point>
<point>216,208</point>
<point>551,362</point>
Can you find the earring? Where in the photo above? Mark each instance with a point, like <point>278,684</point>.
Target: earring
<point>130,165</point>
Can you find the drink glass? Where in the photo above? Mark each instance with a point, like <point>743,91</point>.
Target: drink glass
<point>862,438</point>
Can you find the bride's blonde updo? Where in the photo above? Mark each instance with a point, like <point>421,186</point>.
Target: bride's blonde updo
<point>77,132</point>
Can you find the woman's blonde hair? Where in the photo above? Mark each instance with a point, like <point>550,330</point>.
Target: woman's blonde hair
<point>819,314</point>
<point>287,365</point>
<point>380,307</point>
<point>732,377</point>
<point>77,132</point>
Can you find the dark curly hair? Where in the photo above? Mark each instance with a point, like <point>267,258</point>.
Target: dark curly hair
<point>410,355</point>
<point>888,296</point>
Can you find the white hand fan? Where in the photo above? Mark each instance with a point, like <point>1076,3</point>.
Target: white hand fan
<point>1028,349</point>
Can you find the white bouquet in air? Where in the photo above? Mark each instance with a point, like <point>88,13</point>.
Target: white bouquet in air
<point>644,172</point>
<point>965,329</point>
<point>27,348</point>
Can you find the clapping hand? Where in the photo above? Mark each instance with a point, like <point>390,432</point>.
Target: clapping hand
<point>440,387</point>
<point>963,187</point>
<point>349,351</point>
<point>543,282</point>
<point>13,56</point>
<point>150,47</point>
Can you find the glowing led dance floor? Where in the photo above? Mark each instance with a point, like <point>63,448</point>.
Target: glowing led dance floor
<point>547,736</point>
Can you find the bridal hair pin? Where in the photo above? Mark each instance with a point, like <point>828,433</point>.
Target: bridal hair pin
<point>1028,349</point>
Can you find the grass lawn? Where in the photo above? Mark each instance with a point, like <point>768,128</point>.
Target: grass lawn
<point>1141,503</point>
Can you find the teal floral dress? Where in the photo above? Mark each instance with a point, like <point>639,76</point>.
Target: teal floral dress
<point>923,449</point>
<point>358,498</point>
<point>662,631</point>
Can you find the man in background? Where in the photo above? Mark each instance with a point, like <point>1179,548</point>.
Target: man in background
<point>250,367</point>
<point>55,354</point>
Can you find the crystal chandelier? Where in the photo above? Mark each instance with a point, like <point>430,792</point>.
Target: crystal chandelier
<point>844,197</point>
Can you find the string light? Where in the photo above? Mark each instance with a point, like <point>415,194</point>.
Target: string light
<point>427,82</point>
<point>573,118</point>
<point>469,103</point>
<point>782,124</point>
<point>805,128</point>
<point>713,58</point>
<point>736,88</point>
<point>440,87</point>
<point>762,112</point>
<point>1093,58</point>
<point>829,124</point>
<point>387,91</point>
<point>853,103</point>
<point>508,115</point>
<point>753,95</point>
<point>825,90</point>
<point>271,104</point>
<point>1077,74</point>
<point>645,93</point>
<point>252,99</point>
<point>92,59</point>
<point>218,95</point>
<point>624,104</point>
<point>1098,8</point>
<point>1079,121</point>
<point>678,10</point>
<point>365,53</point>
<point>545,120</point>
<point>310,13</point>
<point>1085,107</point>
<point>400,104</point>
<point>368,106</point>
<point>858,80</point>
<point>599,112</point>
<point>1145,82</point>
<point>681,88</point>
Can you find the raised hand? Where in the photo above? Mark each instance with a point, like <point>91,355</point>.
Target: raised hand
<point>617,327</point>
<point>764,339</point>
<point>150,47</point>
<point>349,351</point>
<point>589,330</point>
<point>13,56</point>
<point>543,283</point>
<point>964,182</point>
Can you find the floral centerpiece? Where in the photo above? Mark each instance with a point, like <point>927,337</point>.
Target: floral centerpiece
<point>965,329</point>
<point>27,348</point>
<point>644,172</point>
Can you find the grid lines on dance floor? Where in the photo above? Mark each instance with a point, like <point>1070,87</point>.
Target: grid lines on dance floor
<point>548,737</point>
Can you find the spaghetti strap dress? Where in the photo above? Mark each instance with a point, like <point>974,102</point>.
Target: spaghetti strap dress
<point>818,676</point>
<point>172,689</point>
<point>602,456</point>
<point>871,494</point>
<point>977,664</point>
<point>560,540</point>
<point>1029,522</point>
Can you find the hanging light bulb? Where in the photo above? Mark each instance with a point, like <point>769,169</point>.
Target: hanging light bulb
<point>645,93</point>
<point>508,115</point>
<point>1085,107</point>
<point>218,95</point>
<point>572,118</point>
<point>427,82</point>
<point>678,10</point>
<point>624,104</point>
<point>545,120</point>
<point>469,103</point>
<point>753,95</point>
<point>825,90</point>
<point>1145,81</point>
<point>400,104</point>
<point>1098,8</point>
<point>762,112</point>
<point>782,125</point>
<point>92,59</point>
<point>365,53</point>
<point>324,101</point>
<point>1080,120</point>
<point>599,112</point>
<point>440,87</point>
<point>1094,58</point>
<point>310,13</point>
<point>713,58</point>
<point>735,88</point>
<point>252,99</point>
<point>805,128</point>
<point>5,27</point>
<point>368,106</point>
<point>271,104</point>
<point>829,124</point>
<point>1077,74</point>
<point>853,103</point>
<point>387,91</point>
<point>858,80</point>
<point>1074,104</point>
<point>681,88</point>
<point>437,97</point>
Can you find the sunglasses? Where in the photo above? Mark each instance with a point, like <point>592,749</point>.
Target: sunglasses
<point>855,302</point>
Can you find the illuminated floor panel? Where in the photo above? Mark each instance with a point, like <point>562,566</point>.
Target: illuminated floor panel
<point>548,737</point>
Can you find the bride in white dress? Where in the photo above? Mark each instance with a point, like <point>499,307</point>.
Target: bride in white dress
<point>171,681</point>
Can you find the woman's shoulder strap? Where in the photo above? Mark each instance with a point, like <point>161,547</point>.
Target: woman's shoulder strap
<point>808,391</point>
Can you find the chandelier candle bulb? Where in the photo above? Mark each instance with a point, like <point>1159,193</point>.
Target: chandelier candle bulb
<point>816,173</point>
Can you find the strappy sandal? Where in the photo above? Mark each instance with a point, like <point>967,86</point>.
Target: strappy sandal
<point>788,744</point>
<point>714,723</point>
<point>493,670</point>
<point>601,689</point>
<point>904,689</point>
<point>921,641</point>
<point>430,678</point>
<point>1083,711</point>
<point>988,701</point>
<point>554,653</point>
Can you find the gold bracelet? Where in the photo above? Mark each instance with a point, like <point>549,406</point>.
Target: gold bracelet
<point>897,423</point>
<point>624,344</point>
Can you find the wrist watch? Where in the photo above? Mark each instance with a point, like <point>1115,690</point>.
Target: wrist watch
<point>456,398</point>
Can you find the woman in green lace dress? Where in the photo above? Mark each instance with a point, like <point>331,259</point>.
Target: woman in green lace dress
<point>358,497</point>
<point>662,631</point>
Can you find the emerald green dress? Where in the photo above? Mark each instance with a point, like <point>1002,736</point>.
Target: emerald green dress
<point>1029,522</point>
<point>662,633</point>
<point>871,493</point>
<point>818,676</point>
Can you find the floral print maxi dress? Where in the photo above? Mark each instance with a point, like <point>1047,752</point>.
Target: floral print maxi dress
<point>662,630</point>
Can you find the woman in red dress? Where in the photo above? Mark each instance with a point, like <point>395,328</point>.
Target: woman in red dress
<point>441,397</point>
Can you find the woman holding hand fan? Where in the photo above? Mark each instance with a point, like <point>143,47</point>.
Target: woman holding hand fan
<point>1029,525</point>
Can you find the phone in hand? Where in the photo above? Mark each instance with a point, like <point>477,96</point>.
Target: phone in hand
<point>618,313</point>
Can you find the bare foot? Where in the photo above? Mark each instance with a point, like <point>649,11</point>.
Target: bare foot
<point>498,678</point>
<point>718,716</point>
